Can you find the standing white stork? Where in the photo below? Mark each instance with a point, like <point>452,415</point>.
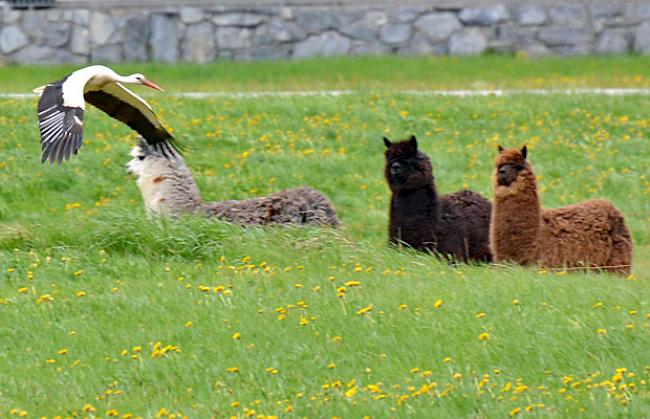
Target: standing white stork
<point>61,110</point>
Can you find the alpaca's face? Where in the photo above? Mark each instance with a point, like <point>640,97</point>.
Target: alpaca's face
<point>144,156</point>
<point>405,164</point>
<point>509,164</point>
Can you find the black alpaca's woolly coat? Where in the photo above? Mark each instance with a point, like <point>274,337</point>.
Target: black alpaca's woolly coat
<point>455,225</point>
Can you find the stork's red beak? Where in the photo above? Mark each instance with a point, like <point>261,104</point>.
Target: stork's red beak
<point>152,85</point>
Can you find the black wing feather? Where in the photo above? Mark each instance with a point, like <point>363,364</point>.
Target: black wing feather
<point>59,125</point>
<point>157,136</point>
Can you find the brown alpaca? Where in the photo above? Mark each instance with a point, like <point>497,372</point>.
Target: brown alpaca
<point>589,234</point>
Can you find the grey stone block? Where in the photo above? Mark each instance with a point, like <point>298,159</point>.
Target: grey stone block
<point>10,16</point>
<point>324,45</point>
<point>375,19</point>
<point>535,49</point>
<point>469,41</point>
<point>57,35</point>
<point>421,45</point>
<point>484,16</point>
<point>510,37</point>
<point>238,19</point>
<point>189,14</point>
<point>35,54</point>
<point>319,20</point>
<point>529,14</point>
<point>102,28</point>
<point>438,26</point>
<point>276,52</point>
<point>642,38</point>
<point>53,15</point>
<point>637,12</point>
<point>233,38</point>
<point>136,38</point>
<point>164,38</point>
<point>369,48</point>
<point>606,11</point>
<point>106,54</point>
<point>34,21</point>
<point>360,29</point>
<point>279,30</point>
<point>198,45</point>
<point>395,33</point>
<point>406,14</point>
<point>81,17</point>
<point>612,41</point>
<point>80,40</point>
<point>569,15</point>
<point>560,35</point>
<point>12,38</point>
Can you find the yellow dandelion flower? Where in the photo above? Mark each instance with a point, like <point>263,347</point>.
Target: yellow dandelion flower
<point>515,411</point>
<point>236,336</point>
<point>365,310</point>
<point>351,392</point>
<point>484,336</point>
<point>80,294</point>
<point>599,304</point>
<point>601,332</point>
<point>480,315</point>
<point>23,290</point>
<point>162,413</point>
<point>62,351</point>
<point>457,376</point>
<point>112,412</point>
<point>189,324</point>
<point>515,302</point>
<point>331,366</point>
<point>88,408</point>
<point>438,303</point>
<point>232,369</point>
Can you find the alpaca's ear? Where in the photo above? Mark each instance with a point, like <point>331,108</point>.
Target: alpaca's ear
<point>414,142</point>
<point>524,151</point>
<point>387,142</point>
<point>500,148</point>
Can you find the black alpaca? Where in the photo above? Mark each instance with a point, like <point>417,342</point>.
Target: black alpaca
<point>455,225</point>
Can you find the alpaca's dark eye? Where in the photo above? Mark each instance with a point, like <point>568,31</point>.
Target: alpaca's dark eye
<point>141,157</point>
<point>519,167</point>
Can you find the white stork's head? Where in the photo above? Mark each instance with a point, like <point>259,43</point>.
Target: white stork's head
<point>138,78</point>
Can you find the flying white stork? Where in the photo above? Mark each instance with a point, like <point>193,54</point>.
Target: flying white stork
<point>61,110</point>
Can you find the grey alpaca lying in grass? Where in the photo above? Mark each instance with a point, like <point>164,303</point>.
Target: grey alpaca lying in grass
<point>169,189</point>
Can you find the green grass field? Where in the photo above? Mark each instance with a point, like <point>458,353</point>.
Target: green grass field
<point>105,312</point>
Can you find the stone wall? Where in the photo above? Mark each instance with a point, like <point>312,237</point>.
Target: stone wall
<point>203,34</point>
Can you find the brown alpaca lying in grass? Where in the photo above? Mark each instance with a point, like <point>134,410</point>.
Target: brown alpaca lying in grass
<point>454,225</point>
<point>589,234</point>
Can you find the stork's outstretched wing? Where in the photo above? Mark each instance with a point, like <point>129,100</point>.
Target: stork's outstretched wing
<point>129,108</point>
<point>61,126</point>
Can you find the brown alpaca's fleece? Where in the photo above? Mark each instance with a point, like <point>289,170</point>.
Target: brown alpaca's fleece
<point>588,234</point>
